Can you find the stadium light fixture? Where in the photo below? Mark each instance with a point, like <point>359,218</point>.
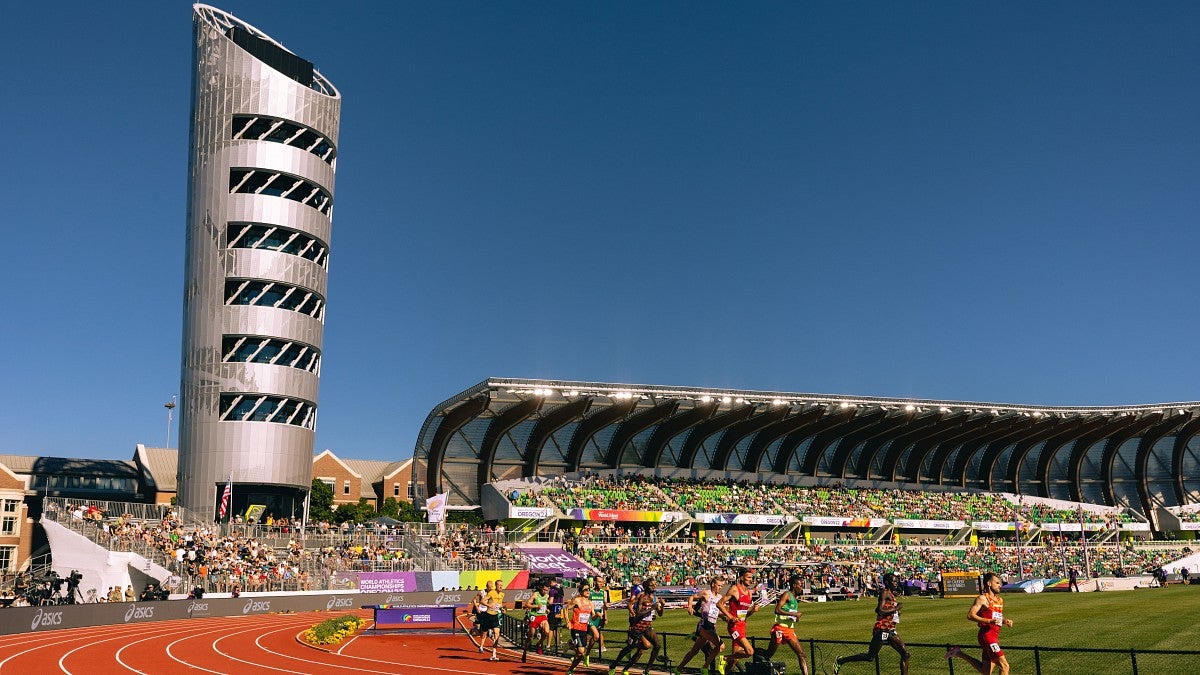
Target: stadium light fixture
<point>910,407</point>
<point>779,402</point>
<point>726,399</point>
<point>572,393</point>
<point>706,399</point>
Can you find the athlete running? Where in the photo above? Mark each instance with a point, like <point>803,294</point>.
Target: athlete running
<point>736,606</point>
<point>703,604</point>
<point>988,612</point>
<point>537,608</point>
<point>577,614</point>
<point>786,614</point>
<point>599,598</point>
<point>642,610</point>
<point>489,621</point>
<point>887,615</point>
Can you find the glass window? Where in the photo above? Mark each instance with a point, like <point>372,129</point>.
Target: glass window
<point>395,489</point>
<point>11,505</point>
<point>8,525</point>
<point>8,555</point>
<point>346,487</point>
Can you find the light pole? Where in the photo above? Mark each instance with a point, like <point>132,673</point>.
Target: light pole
<point>170,406</point>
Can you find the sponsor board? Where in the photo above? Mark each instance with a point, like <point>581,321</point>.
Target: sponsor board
<point>1141,527</point>
<point>1189,526</point>
<point>139,613</point>
<point>528,512</point>
<point>339,603</point>
<point>256,606</point>
<point>745,518</point>
<point>909,524</point>
<point>624,516</point>
<point>44,618</point>
<point>198,608</point>
<point>828,521</point>
<point>1072,527</point>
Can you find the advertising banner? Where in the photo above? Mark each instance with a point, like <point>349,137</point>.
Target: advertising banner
<point>744,518</point>
<point>529,512</point>
<point>988,526</point>
<point>389,617</point>
<point>960,584</point>
<point>906,524</point>
<point>623,516</point>
<point>1142,527</point>
<point>424,582</point>
<point>1072,527</point>
<point>554,560</point>
<point>826,521</point>
<point>1189,526</point>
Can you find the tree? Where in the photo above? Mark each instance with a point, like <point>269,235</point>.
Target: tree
<point>390,508</point>
<point>320,502</point>
<point>357,513</point>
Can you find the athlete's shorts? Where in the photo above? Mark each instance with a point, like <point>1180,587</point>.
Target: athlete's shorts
<point>991,649</point>
<point>596,620</point>
<point>536,621</point>
<point>706,625</point>
<point>638,631</point>
<point>737,630</point>
<point>884,635</point>
<point>579,638</point>
<point>781,633</point>
<point>488,621</point>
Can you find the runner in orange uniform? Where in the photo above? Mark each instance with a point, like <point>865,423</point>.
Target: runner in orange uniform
<point>988,612</point>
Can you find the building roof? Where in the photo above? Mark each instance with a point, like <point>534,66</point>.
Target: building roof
<point>161,464</point>
<point>512,428</point>
<point>68,466</point>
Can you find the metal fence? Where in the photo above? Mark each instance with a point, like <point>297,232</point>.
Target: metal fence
<point>924,659</point>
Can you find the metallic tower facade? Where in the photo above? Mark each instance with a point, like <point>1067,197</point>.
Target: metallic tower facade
<point>260,201</point>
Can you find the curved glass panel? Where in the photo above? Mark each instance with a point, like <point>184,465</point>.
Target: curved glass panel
<point>275,130</point>
<point>275,238</point>
<point>279,184</point>
<point>259,293</point>
<point>261,408</point>
<point>255,349</point>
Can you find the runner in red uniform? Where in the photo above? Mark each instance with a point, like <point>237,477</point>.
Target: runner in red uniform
<point>988,612</point>
<point>736,606</point>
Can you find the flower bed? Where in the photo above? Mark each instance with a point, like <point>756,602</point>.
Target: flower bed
<point>333,631</point>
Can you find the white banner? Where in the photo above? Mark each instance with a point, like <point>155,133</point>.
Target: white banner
<point>826,521</point>
<point>744,518</point>
<point>435,507</point>
<point>1139,527</point>
<point>1189,526</point>
<point>1071,527</point>
<point>906,524</point>
<point>528,512</point>
<point>987,526</point>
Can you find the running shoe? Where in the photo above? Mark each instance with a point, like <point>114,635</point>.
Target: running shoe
<point>720,664</point>
<point>539,650</point>
<point>587,661</point>
<point>954,651</point>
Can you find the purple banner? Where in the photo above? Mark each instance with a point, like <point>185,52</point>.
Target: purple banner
<point>554,560</point>
<point>413,617</point>
<point>388,582</point>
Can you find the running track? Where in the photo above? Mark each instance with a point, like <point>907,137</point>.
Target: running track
<point>250,645</point>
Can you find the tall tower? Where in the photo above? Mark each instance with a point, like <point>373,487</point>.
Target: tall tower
<point>260,201</point>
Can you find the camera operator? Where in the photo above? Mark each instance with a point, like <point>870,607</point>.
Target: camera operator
<point>73,586</point>
<point>148,593</point>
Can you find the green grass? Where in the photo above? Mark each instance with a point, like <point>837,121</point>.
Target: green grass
<point>1138,619</point>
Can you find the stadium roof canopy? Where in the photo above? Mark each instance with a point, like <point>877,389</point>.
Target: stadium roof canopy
<point>1140,456</point>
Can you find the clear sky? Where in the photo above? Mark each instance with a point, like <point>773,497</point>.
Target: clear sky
<point>992,201</point>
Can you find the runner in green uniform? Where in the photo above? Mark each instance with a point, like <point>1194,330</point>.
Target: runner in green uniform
<point>787,612</point>
<point>599,598</point>
<point>537,609</point>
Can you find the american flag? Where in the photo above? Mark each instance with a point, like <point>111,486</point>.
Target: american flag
<point>225,496</point>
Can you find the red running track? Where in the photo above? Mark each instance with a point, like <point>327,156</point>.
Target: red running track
<point>249,645</point>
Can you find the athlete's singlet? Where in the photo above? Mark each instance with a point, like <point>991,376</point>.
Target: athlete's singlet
<point>739,607</point>
<point>993,611</point>
<point>888,621</point>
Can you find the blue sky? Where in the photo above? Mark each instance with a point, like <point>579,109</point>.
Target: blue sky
<point>948,200</point>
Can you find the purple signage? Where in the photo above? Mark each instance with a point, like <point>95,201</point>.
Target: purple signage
<point>413,617</point>
<point>388,582</point>
<point>554,560</point>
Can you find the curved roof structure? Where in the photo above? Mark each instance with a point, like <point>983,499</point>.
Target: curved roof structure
<point>1140,456</point>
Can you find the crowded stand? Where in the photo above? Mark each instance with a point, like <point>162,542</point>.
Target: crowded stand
<point>634,493</point>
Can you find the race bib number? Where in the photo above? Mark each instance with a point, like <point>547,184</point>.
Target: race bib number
<point>597,605</point>
<point>884,635</point>
<point>584,617</point>
<point>896,617</point>
<point>995,647</point>
<point>777,634</point>
<point>997,617</point>
<point>742,614</point>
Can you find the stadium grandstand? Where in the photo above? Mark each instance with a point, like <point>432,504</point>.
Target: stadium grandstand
<point>1133,462</point>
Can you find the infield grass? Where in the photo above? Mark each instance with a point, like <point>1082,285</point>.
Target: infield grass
<point>1142,619</point>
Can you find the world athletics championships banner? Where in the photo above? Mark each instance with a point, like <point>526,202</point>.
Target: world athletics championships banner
<point>744,518</point>
<point>621,515</point>
<point>426,582</point>
<point>554,560</point>
<point>824,521</point>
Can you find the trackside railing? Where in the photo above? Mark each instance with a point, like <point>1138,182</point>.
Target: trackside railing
<point>925,658</point>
